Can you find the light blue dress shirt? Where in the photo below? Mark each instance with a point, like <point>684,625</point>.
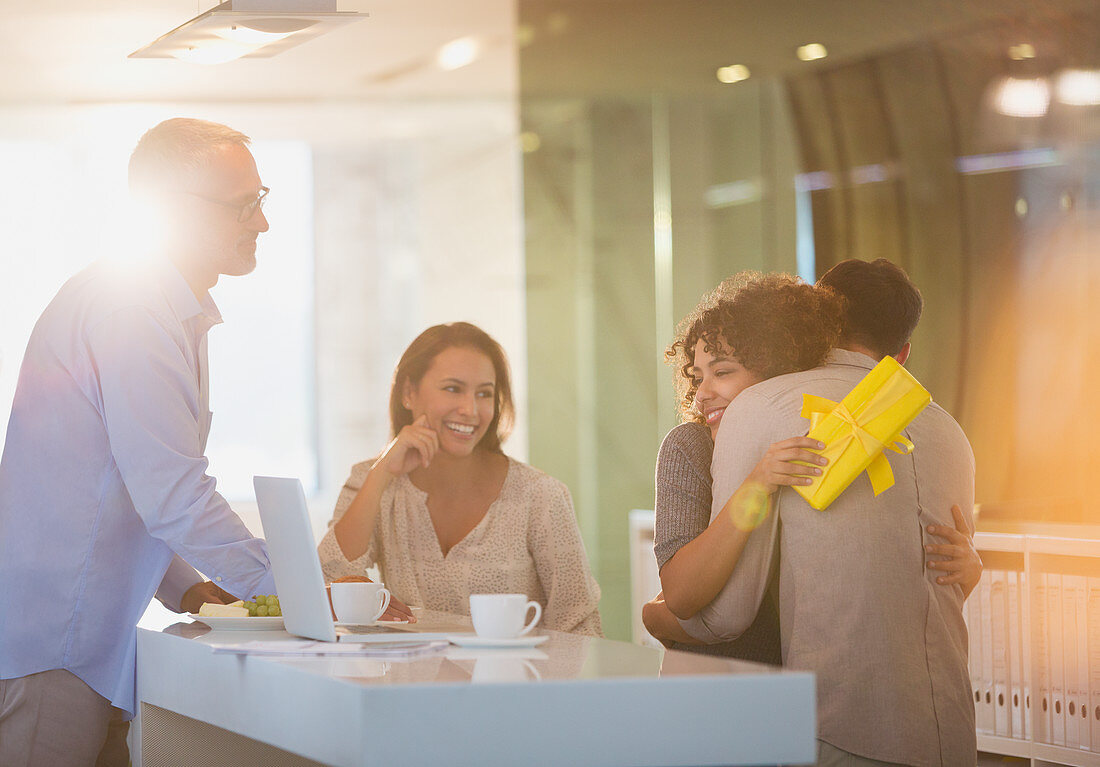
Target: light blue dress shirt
<point>103,484</point>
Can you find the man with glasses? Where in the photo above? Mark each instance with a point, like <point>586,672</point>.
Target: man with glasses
<point>104,496</point>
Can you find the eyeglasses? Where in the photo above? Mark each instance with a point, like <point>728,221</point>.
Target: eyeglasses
<point>244,212</point>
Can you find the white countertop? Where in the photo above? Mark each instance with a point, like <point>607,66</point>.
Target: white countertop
<point>572,700</point>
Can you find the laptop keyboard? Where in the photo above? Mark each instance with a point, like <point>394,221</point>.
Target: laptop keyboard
<point>369,629</point>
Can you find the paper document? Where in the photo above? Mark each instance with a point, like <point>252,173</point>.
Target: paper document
<point>311,648</point>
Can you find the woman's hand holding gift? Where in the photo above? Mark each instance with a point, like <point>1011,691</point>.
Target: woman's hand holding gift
<point>783,464</point>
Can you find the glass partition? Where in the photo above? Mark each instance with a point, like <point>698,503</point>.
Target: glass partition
<point>670,145</point>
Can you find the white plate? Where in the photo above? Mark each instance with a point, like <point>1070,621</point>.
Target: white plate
<point>344,624</point>
<point>473,640</point>
<point>249,623</point>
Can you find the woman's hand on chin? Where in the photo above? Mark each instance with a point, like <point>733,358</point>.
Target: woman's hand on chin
<point>414,446</point>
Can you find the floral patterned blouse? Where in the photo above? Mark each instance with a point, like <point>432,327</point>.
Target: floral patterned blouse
<point>527,543</point>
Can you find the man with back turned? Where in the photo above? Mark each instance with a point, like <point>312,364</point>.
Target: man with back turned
<point>858,607</point>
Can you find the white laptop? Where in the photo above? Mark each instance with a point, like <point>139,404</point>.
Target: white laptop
<point>298,578</point>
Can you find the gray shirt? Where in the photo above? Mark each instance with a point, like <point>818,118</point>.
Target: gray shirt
<point>682,512</point>
<point>857,605</point>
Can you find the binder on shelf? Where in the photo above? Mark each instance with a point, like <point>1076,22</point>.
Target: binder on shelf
<point>998,600</point>
<point>973,616</point>
<point>1069,660</point>
<point>1040,660</point>
<point>1024,663</point>
<point>1057,671</point>
<point>1016,729</point>
<point>1085,730</point>
<point>1094,661</point>
<point>985,690</point>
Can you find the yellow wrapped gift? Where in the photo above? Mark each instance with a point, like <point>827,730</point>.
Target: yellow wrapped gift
<point>857,430</point>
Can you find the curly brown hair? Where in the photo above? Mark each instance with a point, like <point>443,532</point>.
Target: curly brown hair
<point>771,323</point>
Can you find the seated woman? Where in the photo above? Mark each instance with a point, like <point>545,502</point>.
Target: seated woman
<point>443,512</point>
<point>751,328</point>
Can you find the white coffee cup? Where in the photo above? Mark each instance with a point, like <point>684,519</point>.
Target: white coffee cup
<point>359,602</point>
<point>501,616</point>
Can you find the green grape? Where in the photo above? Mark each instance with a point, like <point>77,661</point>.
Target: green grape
<point>275,610</point>
<point>261,611</point>
<point>273,600</point>
<point>261,599</point>
<point>250,606</point>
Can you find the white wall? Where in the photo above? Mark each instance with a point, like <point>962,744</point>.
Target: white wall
<point>416,220</point>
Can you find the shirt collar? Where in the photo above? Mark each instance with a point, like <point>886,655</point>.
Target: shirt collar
<point>851,359</point>
<point>204,312</point>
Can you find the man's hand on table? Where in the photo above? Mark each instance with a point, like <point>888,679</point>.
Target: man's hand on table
<point>206,591</point>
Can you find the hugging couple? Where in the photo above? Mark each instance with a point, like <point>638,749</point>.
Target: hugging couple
<point>868,593</point>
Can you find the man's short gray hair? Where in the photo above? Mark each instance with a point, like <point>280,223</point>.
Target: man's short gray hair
<point>172,150</point>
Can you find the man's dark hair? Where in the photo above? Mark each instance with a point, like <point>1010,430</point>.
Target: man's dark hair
<point>884,305</point>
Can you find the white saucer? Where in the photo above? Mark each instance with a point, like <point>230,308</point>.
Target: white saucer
<point>473,640</point>
<point>345,624</point>
<point>244,623</point>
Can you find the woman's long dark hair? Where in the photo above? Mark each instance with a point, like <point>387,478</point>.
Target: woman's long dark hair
<point>419,357</point>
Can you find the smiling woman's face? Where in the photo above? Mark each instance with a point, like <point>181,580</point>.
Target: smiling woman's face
<point>718,378</point>
<point>458,394</point>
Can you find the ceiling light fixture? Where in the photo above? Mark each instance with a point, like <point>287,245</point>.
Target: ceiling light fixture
<point>1021,52</point>
<point>1022,97</point>
<point>247,28</point>
<point>458,53</point>
<point>256,34</point>
<point>1078,87</point>
<point>733,74</point>
<point>811,52</point>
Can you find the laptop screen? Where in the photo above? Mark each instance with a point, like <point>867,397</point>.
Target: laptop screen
<point>294,562</point>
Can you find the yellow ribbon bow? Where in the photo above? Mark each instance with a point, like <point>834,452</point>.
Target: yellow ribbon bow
<point>881,475</point>
<point>858,430</point>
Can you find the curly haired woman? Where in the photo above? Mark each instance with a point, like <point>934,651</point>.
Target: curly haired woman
<point>752,327</point>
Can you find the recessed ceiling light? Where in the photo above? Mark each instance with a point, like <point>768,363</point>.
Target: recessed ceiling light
<point>1021,51</point>
<point>525,35</point>
<point>733,74</point>
<point>529,142</point>
<point>1022,97</point>
<point>811,52</point>
<point>1079,87</point>
<point>458,53</point>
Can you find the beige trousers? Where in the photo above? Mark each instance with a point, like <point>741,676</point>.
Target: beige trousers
<point>53,719</point>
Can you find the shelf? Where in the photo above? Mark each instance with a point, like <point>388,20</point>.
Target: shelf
<point>1033,618</point>
<point>994,744</point>
<point>1074,757</point>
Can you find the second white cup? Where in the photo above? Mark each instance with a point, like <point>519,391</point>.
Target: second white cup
<point>501,616</point>
<point>359,602</point>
